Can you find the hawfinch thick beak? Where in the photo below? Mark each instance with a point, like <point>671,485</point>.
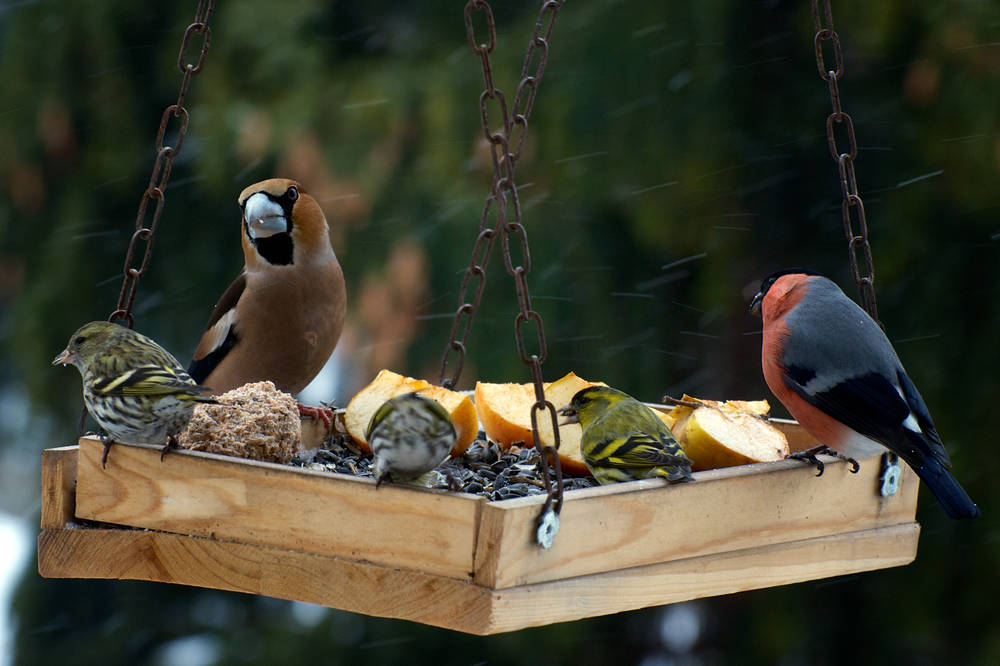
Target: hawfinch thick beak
<point>264,217</point>
<point>65,358</point>
<point>755,304</point>
<point>571,415</point>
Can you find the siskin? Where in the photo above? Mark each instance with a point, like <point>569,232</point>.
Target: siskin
<point>410,435</point>
<point>623,439</point>
<point>132,386</point>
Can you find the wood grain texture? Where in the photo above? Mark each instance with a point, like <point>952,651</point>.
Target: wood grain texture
<point>277,505</point>
<point>58,486</point>
<point>706,576</point>
<point>277,572</point>
<point>644,522</point>
<point>446,602</point>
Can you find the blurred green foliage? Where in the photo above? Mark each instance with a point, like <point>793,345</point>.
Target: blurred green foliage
<point>661,132</point>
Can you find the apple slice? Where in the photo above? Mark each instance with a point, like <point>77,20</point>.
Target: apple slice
<point>389,384</point>
<point>505,412</point>
<point>725,434</point>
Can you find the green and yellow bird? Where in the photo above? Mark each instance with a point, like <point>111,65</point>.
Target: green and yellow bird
<point>624,440</point>
<point>135,390</point>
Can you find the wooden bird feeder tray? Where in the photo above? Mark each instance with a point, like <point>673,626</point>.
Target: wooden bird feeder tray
<point>456,560</point>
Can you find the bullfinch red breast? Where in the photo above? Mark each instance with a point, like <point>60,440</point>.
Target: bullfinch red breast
<point>281,318</point>
<point>838,375</point>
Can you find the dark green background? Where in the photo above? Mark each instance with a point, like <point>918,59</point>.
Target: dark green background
<point>374,104</point>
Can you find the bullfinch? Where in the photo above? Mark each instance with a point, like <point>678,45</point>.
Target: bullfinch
<point>838,375</point>
<point>281,318</point>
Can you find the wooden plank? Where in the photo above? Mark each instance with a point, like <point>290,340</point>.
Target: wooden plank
<point>446,602</point>
<point>277,572</point>
<point>58,486</point>
<point>264,503</point>
<point>644,522</point>
<point>706,576</point>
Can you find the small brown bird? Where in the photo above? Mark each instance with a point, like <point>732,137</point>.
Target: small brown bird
<point>281,318</point>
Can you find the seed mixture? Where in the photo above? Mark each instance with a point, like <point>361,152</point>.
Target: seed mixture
<point>255,421</point>
<point>482,470</point>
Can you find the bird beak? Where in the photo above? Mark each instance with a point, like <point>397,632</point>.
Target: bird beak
<point>65,358</point>
<point>572,416</point>
<point>264,217</point>
<point>755,304</point>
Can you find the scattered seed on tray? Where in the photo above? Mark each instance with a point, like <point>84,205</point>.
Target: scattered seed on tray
<point>482,470</point>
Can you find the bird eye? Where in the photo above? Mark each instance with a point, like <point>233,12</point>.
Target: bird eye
<point>79,340</point>
<point>292,193</point>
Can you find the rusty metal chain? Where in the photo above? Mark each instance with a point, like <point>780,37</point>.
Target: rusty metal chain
<point>851,200</point>
<point>162,165</point>
<point>503,202</point>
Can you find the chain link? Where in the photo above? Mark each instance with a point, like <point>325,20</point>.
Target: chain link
<point>503,202</point>
<point>141,243</point>
<point>851,205</point>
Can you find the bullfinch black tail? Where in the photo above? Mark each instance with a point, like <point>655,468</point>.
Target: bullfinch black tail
<point>953,498</point>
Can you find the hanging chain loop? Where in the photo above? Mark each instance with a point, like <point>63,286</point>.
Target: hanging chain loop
<point>141,244</point>
<point>493,221</point>
<point>852,208</point>
<point>501,216</point>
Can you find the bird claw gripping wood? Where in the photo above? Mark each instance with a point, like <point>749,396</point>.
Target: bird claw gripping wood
<point>107,442</point>
<point>809,456</point>
<point>171,445</point>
